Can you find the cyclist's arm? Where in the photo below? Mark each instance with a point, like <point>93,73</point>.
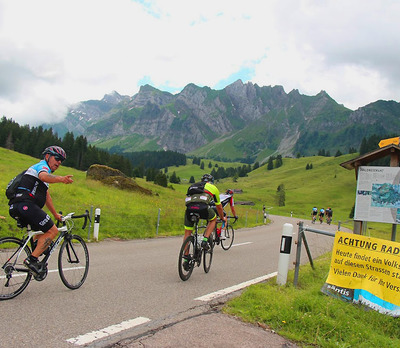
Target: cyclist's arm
<point>221,212</point>
<point>51,178</point>
<point>50,206</point>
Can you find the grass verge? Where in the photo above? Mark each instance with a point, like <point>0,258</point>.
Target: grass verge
<point>311,319</point>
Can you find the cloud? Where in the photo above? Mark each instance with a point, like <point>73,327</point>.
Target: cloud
<point>55,53</point>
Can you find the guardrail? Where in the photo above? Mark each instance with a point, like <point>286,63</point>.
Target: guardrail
<point>301,237</point>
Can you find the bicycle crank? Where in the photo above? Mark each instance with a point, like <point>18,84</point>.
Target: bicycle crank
<point>42,274</point>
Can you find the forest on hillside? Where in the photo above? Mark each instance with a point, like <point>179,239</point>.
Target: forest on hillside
<point>81,155</point>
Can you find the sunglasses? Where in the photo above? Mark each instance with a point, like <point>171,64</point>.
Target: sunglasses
<point>58,158</point>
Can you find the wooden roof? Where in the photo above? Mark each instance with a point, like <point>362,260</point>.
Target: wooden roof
<point>391,150</point>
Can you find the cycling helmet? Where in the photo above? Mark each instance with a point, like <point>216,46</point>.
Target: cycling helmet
<point>229,192</point>
<point>207,178</point>
<point>55,151</point>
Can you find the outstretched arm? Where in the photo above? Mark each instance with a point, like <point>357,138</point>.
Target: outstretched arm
<point>52,179</point>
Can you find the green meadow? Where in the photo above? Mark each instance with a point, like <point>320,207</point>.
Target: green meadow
<point>130,215</point>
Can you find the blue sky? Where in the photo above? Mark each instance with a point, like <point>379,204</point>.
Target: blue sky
<point>54,53</point>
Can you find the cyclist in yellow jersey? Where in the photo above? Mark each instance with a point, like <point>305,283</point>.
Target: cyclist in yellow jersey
<point>201,203</point>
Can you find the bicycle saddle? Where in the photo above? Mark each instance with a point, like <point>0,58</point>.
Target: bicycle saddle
<point>194,216</point>
<point>20,223</point>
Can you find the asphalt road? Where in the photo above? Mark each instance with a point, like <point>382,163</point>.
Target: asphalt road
<point>134,286</point>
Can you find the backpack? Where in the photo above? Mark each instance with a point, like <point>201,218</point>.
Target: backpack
<point>195,188</point>
<point>12,186</point>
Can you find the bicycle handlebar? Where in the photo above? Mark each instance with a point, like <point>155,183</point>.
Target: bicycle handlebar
<point>229,217</point>
<point>72,216</point>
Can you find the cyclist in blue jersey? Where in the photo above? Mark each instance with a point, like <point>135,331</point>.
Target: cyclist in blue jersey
<point>321,215</point>
<point>314,213</point>
<point>32,194</point>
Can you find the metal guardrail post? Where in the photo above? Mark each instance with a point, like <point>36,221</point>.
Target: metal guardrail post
<point>90,222</point>
<point>158,220</point>
<point>298,252</point>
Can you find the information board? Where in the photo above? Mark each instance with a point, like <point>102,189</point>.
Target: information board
<point>378,195</point>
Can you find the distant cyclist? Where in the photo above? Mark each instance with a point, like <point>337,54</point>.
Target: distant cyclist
<point>201,202</point>
<point>321,215</point>
<point>329,214</point>
<point>33,194</point>
<point>314,213</point>
<point>227,198</point>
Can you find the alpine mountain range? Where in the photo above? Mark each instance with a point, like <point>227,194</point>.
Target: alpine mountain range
<point>243,121</point>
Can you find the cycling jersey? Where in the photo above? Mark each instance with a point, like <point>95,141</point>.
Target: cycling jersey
<point>209,196</point>
<point>31,187</point>
<point>225,199</point>
<point>201,203</point>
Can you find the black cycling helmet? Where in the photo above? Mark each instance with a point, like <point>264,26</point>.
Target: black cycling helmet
<point>56,151</point>
<point>207,178</point>
<point>229,192</point>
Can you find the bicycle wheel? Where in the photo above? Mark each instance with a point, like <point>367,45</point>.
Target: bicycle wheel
<point>186,260</point>
<point>13,278</point>
<point>73,261</point>
<point>230,236</point>
<point>208,254</point>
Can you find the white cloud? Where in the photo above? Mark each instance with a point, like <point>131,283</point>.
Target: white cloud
<point>53,53</point>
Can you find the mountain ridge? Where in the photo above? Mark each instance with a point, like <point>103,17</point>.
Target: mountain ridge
<point>241,121</point>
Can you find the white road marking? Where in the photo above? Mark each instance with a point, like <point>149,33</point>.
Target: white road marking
<point>23,274</point>
<point>239,244</point>
<point>111,330</point>
<point>234,288</point>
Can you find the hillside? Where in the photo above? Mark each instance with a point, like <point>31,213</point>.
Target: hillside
<point>242,122</point>
<point>132,215</point>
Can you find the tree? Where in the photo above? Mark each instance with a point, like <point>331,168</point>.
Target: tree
<point>270,165</point>
<point>191,180</point>
<point>161,179</point>
<point>278,162</point>
<point>256,165</point>
<point>174,179</point>
<point>280,192</point>
<point>202,165</point>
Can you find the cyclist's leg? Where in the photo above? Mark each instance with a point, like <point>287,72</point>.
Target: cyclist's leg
<point>211,217</point>
<point>188,224</point>
<point>32,214</point>
<point>210,227</point>
<point>44,240</point>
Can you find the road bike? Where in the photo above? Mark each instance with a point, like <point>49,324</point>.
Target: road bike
<point>192,253</point>
<point>229,234</point>
<point>314,218</point>
<point>328,220</point>
<point>73,258</point>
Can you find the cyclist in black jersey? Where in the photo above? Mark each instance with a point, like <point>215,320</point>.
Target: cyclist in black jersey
<point>227,198</point>
<point>32,194</point>
<point>202,204</point>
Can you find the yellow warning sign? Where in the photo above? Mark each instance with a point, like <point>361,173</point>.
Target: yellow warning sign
<point>386,142</point>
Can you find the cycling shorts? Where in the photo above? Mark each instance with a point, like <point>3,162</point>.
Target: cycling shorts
<point>203,209</point>
<point>30,213</point>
